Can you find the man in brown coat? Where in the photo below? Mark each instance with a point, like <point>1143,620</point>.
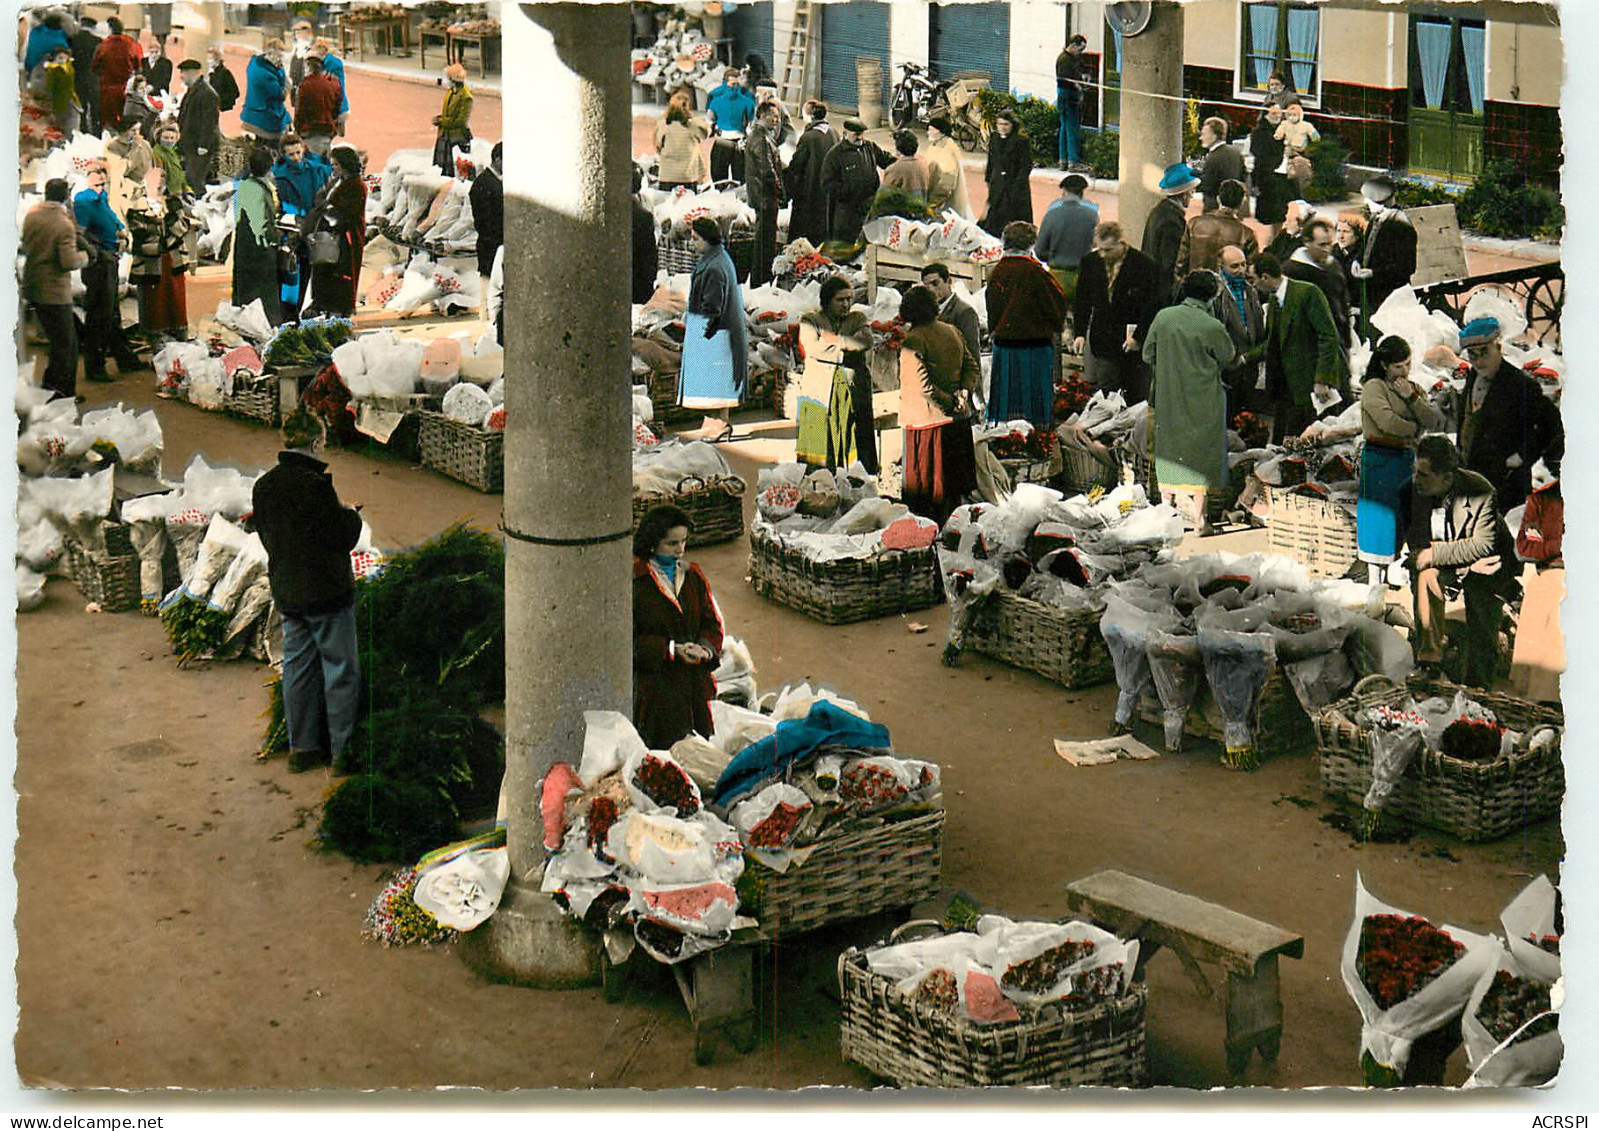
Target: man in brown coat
<point>50,244</point>
<point>1209,232</point>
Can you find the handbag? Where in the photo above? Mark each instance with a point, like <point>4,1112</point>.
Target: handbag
<point>1300,169</point>
<point>324,248</point>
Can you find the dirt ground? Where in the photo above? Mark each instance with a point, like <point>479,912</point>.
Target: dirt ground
<point>176,928</point>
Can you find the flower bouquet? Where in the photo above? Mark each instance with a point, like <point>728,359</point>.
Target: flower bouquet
<point>1408,977</point>
<point>1034,445</point>
<point>1510,1027</point>
<point>1395,738</point>
<point>394,919</point>
<point>1071,395</point>
<point>1251,430</point>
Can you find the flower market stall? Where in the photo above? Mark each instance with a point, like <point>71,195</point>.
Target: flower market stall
<point>897,248</point>
<point>829,546</point>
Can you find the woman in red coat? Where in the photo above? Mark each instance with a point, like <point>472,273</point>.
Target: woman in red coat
<point>677,633</point>
<point>342,213</point>
<point>118,58</point>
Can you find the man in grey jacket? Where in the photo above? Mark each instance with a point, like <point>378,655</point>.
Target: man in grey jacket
<point>51,249</point>
<point>763,179</point>
<point>1457,541</point>
<point>1067,233</point>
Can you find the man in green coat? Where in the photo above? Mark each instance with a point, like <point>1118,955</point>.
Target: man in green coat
<point>1188,350</point>
<point>1300,350</point>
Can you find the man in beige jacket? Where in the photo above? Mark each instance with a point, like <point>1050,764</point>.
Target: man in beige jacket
<point>51,251</point>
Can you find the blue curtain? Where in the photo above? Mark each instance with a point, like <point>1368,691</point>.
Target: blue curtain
<point>1263,40</point>
<point>1302,24</point>
<point>1116,34</point>
<point>1432,44</point>
<point>1471,38</point>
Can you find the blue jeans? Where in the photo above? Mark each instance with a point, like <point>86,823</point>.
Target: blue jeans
<point>1071,130</point>
<point>321,679</point>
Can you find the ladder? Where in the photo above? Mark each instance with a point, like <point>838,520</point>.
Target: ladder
<point>795,80</point>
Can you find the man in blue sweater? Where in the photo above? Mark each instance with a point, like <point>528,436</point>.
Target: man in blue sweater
<point>731,108</point>
<point>1067,233</point>
<point>103,233</point>
<point>300,177</point>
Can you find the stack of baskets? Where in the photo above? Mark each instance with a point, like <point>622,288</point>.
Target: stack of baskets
<point>1317,533</point>
<point>716,507</point>
<point>108,577</point>
<point>1475,801</point>
<point>863,872</point>
<point>1063,645</point>
<point>847,590</point>
<point>255,397</point>
<point>888,1032</point>
<point>475,456</point>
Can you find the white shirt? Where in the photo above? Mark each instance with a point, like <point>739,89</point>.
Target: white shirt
<point>1281,294</point>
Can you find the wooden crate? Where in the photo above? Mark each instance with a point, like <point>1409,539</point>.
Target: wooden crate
<point>886,265</point>
<point>1317,533</point>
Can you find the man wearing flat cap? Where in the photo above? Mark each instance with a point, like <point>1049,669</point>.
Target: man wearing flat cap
<point>850,178</point>
<point>199,125</point>
<point>1164,228</point>
<point>1066,233</point>
<point>1506,423</point>
<point>1389,257</point>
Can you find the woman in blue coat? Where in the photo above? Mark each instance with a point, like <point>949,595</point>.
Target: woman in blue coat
<point>266,90</point>
<point>715,354</point>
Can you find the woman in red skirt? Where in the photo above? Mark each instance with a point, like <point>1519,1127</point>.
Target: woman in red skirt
<point>937,374</point>
<point>159,227</point>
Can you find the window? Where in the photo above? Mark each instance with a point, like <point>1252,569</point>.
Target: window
<point>1447,64</point>
<point>1283,37</point>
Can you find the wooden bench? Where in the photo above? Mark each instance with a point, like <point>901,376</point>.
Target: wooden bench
<point>1198,931</point>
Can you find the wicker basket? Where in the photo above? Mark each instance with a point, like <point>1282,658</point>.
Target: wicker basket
<point>233,157</point>
<point>1024,470</point>
<point>1063,645</point>
<point>254,398</point>
<point>1280,724</point>
<point>1136,467</point>
<point>716,508</point>
<point>663,398</point>
<point>475,456</point>
<point>841,592</point>
<point>893,865</point>
<point>1317,533</point>
<point>1475,801</point>
<point>886,1032</point>
<point>109,578</point>
<point>677,255</point>
<point>1081,472</point>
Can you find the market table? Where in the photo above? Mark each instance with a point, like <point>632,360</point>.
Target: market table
<point>457,40</point>
<point>1199,931</point>
<point>356,32</point>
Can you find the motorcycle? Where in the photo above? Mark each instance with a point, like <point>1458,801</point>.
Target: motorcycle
<point>916,97</point>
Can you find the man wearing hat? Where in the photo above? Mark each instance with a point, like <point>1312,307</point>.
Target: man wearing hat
<point>1165,225</point>
<point>808,218</point>
<point>850,180</point>
<point>1389,257</point>
<point>199,126</point>
<point>731,109</point>
<point>1506,423</point>
<point>1067,233</point>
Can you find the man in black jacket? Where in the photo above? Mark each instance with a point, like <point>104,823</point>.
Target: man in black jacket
<point>808,218</point>
<point>85,42</point>
<point>850,179</point>
<point>1167,222</point>
<point>487,198</point>
<point>646,255</point>
<point>1119,292</point>
<point>763,182</point>
<point>1223,162</point>
<point>308,535</point>
<point>1506,423</point>
<point>199,126</point>
<point>1313,262</point>
<point>1389,258</point>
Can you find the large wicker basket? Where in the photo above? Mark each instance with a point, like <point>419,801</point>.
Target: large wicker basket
<point>254,398</point>
<point>766,389</point>
<point>1063,645</point>
<point>716,508</point>
<point>1081,471</point>
<point>1475,801</point>
<point>888,1033</point>
<point>840,592</point>
<point>1025,470</point>
<point>109,578</point>
<point>894,865</point>
<point>677,255</point>
<point>1280,723</point>
<point>1317,533</point>
<point>475,456</point>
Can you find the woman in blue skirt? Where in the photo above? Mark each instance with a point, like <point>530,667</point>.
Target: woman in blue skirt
<point>715,355</point>
<point>1026,314</point>
<point>1394,414</point>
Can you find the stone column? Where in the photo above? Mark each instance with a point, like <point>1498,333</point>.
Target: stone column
<point>1151,127</point>
<point>568,463</point>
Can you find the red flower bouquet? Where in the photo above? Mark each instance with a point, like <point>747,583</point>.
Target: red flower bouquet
<point>1070,396</point>
<point>1399,955</point>
<point>1472,740</point>
<point>1038,444</point>
<point>667,784</point>
<point>1251,430</point>
<point>1512,1002</point>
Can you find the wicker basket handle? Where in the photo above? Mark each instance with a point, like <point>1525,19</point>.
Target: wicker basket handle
<point>695,482</point>
<point>914,924</point>
<point>1371,683</point>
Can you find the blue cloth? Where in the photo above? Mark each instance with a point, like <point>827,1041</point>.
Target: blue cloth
<point>705,377</point>
<point>1022,385</point>
<point>264,87</point>
<point>732,107</point>
<point>334,66</point>
<point>1237,286</point>
<point>92,210</point>
<point>1066,233</point>
<point>1385,472</point>
<point>299,183</point>
<point>1069,104</point>
<point>321,679</point>
<point>825,725</point>
<point>41,41</point>
<point>667,565</point>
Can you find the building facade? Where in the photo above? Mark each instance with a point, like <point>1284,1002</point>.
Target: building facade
<point>1436,89</point>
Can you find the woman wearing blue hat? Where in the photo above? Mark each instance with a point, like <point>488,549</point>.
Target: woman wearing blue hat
<point>1164,228</point>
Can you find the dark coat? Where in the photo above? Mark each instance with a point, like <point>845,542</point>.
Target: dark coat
<point>488,217</point>
<point>850,180</point>
<point>1103,318</point>
<point>1010,196</point>
<point>1163,238</point>
<point>1224,163</point>
<point>84,45</point>
<point>226,86</point>
<point>1025,303</point>
<point>1247,328</point>
<point>199,127</point>
<point>1301,346</point>
<point>158,73</point>
<point>1390,256</point>
<point>1515,419</point>
<point>764,180</point>
<point>808,219</point>
<point>671,697</point>
<point>646,256</point>
<point>341,210</point>
<point>308,535</point>
<point>1331,282</point>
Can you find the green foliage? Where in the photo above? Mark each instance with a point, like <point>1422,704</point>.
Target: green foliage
<point>1502,203</point>
<point>892,200</point>
<point>194,629</point>
<point>1039,120</point>
<point>1102,151</point>
<point>1191,123</point>
<point>1328,156</point>
<point>1424,194</point>
<point>374,819</point>
<point>426,743</point>
<point>310,342</point>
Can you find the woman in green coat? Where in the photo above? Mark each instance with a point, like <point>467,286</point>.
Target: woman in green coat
<point>1188,352</point>
<point>453,119</point>
<point>255,238</point>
